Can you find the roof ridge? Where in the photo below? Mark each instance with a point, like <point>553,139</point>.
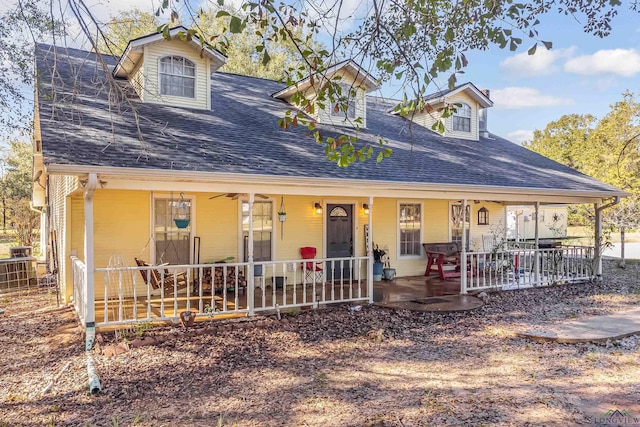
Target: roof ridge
<point>41,45</point>
<point>248,76</point>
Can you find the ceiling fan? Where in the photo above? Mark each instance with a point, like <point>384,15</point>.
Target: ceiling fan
<point>235,196</point>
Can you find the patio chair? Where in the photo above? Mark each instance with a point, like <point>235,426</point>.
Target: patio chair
<point>310,268</point>
<point>154,278</point>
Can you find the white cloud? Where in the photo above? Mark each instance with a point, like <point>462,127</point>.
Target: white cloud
<point>544,62</point>
<point>622,62</point>
<point>519,136</point>
<point>511,98</point>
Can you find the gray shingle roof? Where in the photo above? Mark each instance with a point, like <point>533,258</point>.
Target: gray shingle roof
<point>241,135</point>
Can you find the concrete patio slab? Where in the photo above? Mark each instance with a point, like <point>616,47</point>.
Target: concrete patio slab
<point>593,329</point>
<point>441,304</point>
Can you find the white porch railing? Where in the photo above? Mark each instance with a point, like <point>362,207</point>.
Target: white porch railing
<point>525,268</point>
<point>160,293</point>
<point>79,278</point>
<point>298,283</point>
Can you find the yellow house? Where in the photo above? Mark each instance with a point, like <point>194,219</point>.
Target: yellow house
<point>170,187</point>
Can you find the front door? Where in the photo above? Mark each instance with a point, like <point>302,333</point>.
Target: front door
<point>339,239</point>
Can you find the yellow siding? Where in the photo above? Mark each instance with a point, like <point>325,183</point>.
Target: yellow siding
<point>77,227</point>
<point>60,187</point>
<point>497,223</point>
<point>324,115</point>
<point>385,231</point>
<point>121,230</point>
<point>436,221</point>
<point>152,55</point>
<point>427,119</point>
<point>217,227</point>
<point>459,98</point>
<point>137,80</point>
<point>303,227</point>
<point>122,227</point>
<point>65,240</point>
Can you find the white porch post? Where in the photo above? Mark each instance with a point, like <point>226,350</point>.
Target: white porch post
<point>250,276</point>
<point>370,252</point>
<point>536,264</point>
<point>536,224</point>
<point>463,260</point>
<point>89,290</point>
<point>598,241</point>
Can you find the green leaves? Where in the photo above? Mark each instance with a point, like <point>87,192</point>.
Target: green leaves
<point>236,25</point>
<point>415,43</point>
<point>265,58</point>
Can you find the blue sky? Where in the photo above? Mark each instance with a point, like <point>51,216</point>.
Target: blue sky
<point>581,74</point>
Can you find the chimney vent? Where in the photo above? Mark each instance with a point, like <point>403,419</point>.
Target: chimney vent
<point>484,133</point>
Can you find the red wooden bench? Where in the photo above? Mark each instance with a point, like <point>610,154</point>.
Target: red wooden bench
<point>442,258</point>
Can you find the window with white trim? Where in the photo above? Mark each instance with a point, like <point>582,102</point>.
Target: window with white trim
<point>338,108</point>
<point>177,77</point>
<point>462,118</point>
<point>410,223</point>
<point>262,230</point>
<point>456,220</point>
<point>172,243</point>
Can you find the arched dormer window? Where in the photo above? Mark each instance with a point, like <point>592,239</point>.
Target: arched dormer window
<point>177,77</point>
<point>462,119</point>
<point>338,108</point>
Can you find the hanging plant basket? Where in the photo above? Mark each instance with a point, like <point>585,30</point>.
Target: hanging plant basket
<point>282,217</point>
<point>181,222</point>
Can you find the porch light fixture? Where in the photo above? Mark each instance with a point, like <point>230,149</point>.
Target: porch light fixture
<point>365,208</point>
<point>483,216</point>
<point>318,207</point>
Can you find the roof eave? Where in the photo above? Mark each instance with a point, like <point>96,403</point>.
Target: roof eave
<point>138,43</point>
<point>364,185</point>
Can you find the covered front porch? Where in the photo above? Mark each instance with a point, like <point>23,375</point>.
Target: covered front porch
<point>123,297</point>
<point>220,254</point>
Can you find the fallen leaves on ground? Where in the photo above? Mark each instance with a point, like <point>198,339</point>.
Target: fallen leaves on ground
<point>376,367</point>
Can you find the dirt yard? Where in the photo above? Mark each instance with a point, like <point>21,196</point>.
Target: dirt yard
<point>376,367</point>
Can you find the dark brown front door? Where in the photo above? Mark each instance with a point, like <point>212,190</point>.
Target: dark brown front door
<point>339,239</point>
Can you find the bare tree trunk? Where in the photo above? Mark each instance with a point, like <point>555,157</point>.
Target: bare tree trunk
<point>622,261</point>
<point>4,214</point>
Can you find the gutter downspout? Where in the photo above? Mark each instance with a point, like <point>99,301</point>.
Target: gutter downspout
<point>43,235</point>
<point>598,235</point>
<point>33,208</point>
<point>89,290</point>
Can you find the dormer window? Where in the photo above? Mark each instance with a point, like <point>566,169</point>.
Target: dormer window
<point>177,77</point>
<point>462,119</point>
<point>338,108</point>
